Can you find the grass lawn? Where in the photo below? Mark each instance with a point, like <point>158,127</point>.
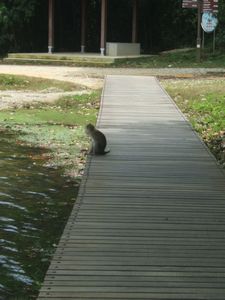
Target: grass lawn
<point>203,102</point>
<point>17,82</point>
<point>58,127</point>
<point>182,59</point>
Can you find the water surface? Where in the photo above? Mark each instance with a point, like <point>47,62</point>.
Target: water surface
<point>35,203</point>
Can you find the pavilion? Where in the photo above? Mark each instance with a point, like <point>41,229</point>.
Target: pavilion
<point>132,47</point>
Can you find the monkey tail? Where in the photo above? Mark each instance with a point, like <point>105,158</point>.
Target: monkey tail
<point>99,153</point>
<point>105,152</point>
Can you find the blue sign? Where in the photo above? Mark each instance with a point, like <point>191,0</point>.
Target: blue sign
<point>209,21</point>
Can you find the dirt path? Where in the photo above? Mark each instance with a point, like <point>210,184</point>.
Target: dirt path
<point>90,77</point>
<point>17,99</point>
<point>93,77</point>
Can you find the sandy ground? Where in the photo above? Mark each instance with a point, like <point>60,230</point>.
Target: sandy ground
<point>88,77</point>
<point>92,78</point>
<point>15,99</point>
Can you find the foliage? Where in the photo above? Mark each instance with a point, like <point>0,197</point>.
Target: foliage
<point>162,25</point>
<point>168,25</point>
<point>14,15</point>
<point>220,31</point>
<point>203,102</point>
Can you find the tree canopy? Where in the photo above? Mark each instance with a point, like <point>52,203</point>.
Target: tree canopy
<point>14,16</point>
<point>163,24</point>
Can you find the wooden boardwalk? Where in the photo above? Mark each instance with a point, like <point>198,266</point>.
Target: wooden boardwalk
<point>149,222</point>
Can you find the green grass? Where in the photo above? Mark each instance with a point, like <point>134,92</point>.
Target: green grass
<point>70,110</point>
<point>17,82</point>
<point>203,102</point>
<point>183,59</point>
<point>58,127</point>
<point>211,112</point>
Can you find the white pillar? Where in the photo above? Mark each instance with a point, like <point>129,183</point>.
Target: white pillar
<point>103,26</point>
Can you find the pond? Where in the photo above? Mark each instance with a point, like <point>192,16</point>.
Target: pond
<point>35,203</point>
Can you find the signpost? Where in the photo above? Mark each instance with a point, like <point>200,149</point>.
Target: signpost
<point>209,22</point>
<point>189,4</point>
<point>203,6</point>
<point>207,5</point>
<point>199,6</point>
<point>210,6</point>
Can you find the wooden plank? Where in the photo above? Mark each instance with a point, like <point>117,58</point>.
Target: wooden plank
<point>139,296</point>
<point>149,221</point>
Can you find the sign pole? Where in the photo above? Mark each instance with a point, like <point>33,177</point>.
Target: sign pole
<point>203,40</point>
<point>199,31</point>
<point>214,40</point>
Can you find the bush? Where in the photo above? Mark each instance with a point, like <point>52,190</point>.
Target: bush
<point>14,14</point>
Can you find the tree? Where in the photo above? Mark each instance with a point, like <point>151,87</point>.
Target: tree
<point>14,14</point>
<point>220,36</point>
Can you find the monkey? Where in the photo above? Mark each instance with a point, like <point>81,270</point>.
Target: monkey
<point>98,140</point>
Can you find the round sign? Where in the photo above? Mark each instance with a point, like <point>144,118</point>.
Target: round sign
<point>209,22</point>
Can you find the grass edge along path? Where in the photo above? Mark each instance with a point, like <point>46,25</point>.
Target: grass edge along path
<point>58,127</point>
<point>203,103</point>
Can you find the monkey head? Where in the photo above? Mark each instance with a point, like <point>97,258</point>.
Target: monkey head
<point>89,128</point>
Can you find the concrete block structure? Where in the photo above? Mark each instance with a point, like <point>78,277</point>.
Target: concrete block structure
<point>122,49</point>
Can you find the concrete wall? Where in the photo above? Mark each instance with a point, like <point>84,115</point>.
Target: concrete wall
<point>122,49</point>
